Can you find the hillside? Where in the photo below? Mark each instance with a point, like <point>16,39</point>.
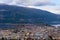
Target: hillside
<point>15,14</point>
<point>23,15</point>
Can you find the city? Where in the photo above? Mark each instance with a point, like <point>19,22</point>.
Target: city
<point>30,32</point>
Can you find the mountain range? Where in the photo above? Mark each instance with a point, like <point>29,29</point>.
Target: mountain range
<point>23,15</point>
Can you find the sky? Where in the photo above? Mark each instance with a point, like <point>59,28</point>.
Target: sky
<point>48,5</point>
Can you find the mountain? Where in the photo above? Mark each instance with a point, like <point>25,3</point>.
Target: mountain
<point>23,15</point>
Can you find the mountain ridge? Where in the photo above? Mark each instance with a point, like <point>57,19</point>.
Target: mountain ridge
<point>24,15</point>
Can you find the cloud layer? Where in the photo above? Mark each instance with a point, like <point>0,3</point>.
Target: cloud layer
<point>26,2</point>
<point>52,9</point>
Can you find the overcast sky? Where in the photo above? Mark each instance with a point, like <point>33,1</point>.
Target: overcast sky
<point>49,5</point>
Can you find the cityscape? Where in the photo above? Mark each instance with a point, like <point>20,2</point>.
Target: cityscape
<point>30,32</point>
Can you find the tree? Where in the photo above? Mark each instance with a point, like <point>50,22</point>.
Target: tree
<point>2,38</point>
<point>49,38</point>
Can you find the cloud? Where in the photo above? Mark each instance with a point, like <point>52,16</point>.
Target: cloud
<point>53,9</point>
<point>44,4</point>
<point>26,2</point>
<point>5,1</point>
